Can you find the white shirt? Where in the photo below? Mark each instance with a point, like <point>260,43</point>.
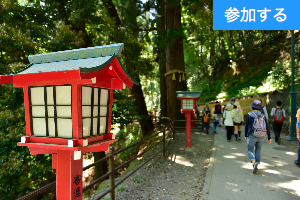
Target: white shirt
<point>228,118</point>
<point>266,112</point>
<point>273,112</point>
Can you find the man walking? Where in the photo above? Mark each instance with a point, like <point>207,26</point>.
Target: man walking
<point>232,101</point>
<point>279,114</point>
<point>218,108</point>
<point>256,128</point>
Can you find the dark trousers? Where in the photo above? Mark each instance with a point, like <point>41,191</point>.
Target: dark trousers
<point>229,132</point>
<point>277,129</point>
<point>206,125</point>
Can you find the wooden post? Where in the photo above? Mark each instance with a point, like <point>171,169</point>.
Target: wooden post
<point>188,129</point>
<point>174,129</point>
<point>164,142</point>
<point>112,169</point>
<point>69,175</point>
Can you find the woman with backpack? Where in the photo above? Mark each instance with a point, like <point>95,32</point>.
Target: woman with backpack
<point>216,121</point>
<point>238,118</point>
<point>256,128</point>
<point>227,115</point>
<point>206,119</point>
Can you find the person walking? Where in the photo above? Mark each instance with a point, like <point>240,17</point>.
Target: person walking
<point>264,111</point>
<point>228,121</point>
<point>206,107</point>
<point>232,101</point>
<point>279,114</point>
<point>256,128</point>
<point>218,108</point>
<point>216,121</point>
<point>198,111</point>
<point>238,119</point>
<point>297,162</point>
<point>206,120</point>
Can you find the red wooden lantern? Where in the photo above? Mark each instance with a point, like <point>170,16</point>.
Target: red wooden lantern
<point>189,108</point>
<point>68,107</point>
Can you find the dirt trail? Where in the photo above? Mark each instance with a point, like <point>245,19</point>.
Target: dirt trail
<point>180,175</point>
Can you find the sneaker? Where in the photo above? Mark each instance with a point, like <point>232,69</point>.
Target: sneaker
<point>255,168</point>
<point>239,138</point>
<point>279,141</point>
<point>215,132</point>
<point>206,131</point>
<point>228,140</point>
<point>296,163</point>
<point>219,125</point>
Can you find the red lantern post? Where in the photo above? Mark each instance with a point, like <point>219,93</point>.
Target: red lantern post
<point>68,107</point>
<point>188,107</point>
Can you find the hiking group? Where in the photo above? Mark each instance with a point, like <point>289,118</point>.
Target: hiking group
<point>207,117</point>
<point>256,125</point>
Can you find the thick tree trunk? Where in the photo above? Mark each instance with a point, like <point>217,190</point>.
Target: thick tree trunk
<point>102,168</point>
<point>174,57</point>
<point>145,120</point>
<point>161,45</point>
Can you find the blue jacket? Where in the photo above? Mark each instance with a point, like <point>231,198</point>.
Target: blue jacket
<point>249,124</point>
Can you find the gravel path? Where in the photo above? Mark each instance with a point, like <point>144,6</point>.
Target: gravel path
<point>180,175</point>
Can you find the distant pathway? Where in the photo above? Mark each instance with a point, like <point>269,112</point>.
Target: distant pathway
<point>230,176</point>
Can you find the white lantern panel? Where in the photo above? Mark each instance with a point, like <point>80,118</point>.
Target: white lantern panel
<point>64,111</point>
<point>37,96</point>
<point>50,99</point>
<point>95,120</point>
<point>96,91</point>
<point>102,127</point>
<point>86,127</point>
<point>103,97</point>
<point>64,128</point>
<point>95,112</point>
<point>86,95</point>
<point>38,111</point>
<point>63,95</point>
<point>51,127</point>
<point>187,104</point>
<point>191,103</point>
<point>86,111</point>
<point>39,126</point>
<point>103,111</point>
<point>50,111</point>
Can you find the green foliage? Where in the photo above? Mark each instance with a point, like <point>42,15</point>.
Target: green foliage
<point>281,75</point>
<point>137,180</point>
<point>121,189</point>
<point>123,111</point>
<point>127,139</point>
<point>27,172</point>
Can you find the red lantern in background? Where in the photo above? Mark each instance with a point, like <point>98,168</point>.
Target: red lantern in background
<point>189,108</point>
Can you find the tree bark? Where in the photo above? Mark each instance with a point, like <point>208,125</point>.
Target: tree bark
<point>161,46</point>
<point>174,57</point>
<point>102,168</point>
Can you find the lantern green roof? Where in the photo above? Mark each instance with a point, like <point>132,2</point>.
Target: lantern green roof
<point>84,60</point>
<point>189,95</point>
<point>77,54</point>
